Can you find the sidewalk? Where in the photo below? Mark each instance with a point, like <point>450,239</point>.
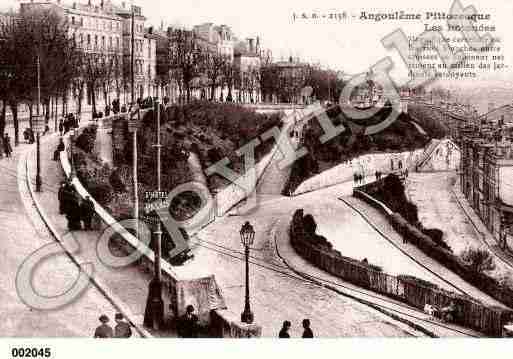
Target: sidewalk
<point>381,224</point>
<point>23,233</point>
<point>126,288</point>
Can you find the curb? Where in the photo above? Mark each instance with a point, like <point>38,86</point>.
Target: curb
<point>112,298</point>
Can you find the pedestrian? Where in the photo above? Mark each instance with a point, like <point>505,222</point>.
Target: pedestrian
<point>122,328</point>
<point>104,330</point>
<point>66,125</point>
<point>307,332</point>
<point>87,212</point>
<point>60,147</point>
<point>73,214</point>
<point>61,194</point>
<point>189,323</point>
<point>7,146</point>
<point>284,332</point>
<point>61,127</point>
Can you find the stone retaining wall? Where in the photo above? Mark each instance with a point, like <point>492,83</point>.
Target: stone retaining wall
<point>180,288</point>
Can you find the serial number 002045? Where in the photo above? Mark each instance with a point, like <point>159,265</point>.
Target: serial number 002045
<point>20,352</point>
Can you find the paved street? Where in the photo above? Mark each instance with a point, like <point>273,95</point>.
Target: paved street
<point>23,233</point>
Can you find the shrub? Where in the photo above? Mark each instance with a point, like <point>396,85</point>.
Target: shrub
<point>479,260</point>
<point>86,140</point>
<point>437,236</point>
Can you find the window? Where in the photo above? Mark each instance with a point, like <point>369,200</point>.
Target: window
<point>73,20</point>
<point>117,42</point>
<point>103,41</point>
<point>95,41</point>
<point>88,39</point>
<point>110,42</point>
<point>81,40</point>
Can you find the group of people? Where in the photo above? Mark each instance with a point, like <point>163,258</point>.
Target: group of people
<point>358,179</point>
<point>307,331</point>
<point>68,123</point>
<point>121,330</point>
<point>7,146</point>
<point>75,209</point>
<point>378,175</point>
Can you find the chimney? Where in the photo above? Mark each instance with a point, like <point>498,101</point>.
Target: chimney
<point>251,45</point>
<point>101,4</point>
<point>89,2</point>
<point>291,60</point>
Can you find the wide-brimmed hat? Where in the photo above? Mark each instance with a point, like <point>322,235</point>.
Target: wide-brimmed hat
<point>104,319</point>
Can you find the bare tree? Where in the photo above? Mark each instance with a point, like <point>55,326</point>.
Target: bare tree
<point>229,73</point>
<point>214,65</point>
<point>36,34</point>
<point>95,68</point>
<point>186,57</point>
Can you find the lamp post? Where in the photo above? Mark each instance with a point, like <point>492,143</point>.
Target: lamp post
<point>72,140</point>
<point>247,236</point>
<point>133,126</point>
<point>154,313</point>
<point>38,129</point>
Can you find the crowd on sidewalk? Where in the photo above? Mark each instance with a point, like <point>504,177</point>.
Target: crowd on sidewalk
<point>74,208</point>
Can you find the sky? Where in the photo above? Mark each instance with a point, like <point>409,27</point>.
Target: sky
<point>352,45</point>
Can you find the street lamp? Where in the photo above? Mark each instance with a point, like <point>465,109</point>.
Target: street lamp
<point>133,124</point>
<point>38,129</point>
<point>247,236</point>
<point>72,140</point>
<point>154,313</point>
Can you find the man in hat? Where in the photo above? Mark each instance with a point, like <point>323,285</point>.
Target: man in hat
<point>122,328</point>
<point>104,330</point>
<point>307,333</point>
<point>189,323</point>
<point>284,332</point>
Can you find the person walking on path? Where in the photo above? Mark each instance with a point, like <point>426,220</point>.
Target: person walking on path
<point>189,324</point>
<point>61,195</point>
<point>104,330</point>
<point>61,127</point>
<point>87,212</point>
<point>72,211</point>
<point>7,146</point>
<point>122,328</point>
<point>60,147</point>
<point>284,332</point>
<point>307,333</point>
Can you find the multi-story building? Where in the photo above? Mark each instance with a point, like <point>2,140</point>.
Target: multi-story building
<point>485,177</point>
<point>104,28</point>
<point>247,61</point>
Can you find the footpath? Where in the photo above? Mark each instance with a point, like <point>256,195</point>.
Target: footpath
<point>23,233</point>
<point>482,233</point>
<point>126,288</point>
<point>378,221</point>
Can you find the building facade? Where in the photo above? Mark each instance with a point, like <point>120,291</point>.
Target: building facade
<point>485,176</point>
<point>104,28</point>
